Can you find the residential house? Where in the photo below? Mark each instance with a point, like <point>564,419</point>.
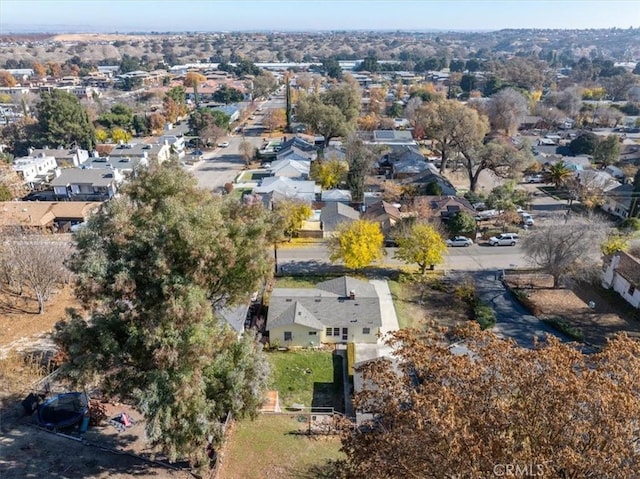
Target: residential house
<point>339,310</point>
<point>124,164</point>
<point>176,145</point>
<point>77,184</point>
<point>430,181</point>
<point>232,110</point>
<point>443,207</point>
<point>383,213</point>
<point>297,149</point>
<point>334,214</point>
<point>45,215</point>
<point>622,274</point>
<point>391,137</point>
<point>618,200</point>
<point>334,153</point>
<point>281,187</point>
<point>64,157</point>
<point>35,170</point>
<point>343,196</point>
<point>159,152</point>
<point>597,180</point>
<point>291,169</point>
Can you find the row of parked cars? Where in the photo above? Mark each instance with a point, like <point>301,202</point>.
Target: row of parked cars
<point>503,239</point>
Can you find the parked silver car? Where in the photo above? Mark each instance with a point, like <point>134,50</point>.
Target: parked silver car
<point>459,241</point>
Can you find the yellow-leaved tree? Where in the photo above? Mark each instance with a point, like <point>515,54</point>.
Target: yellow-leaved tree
<point>357,244</point>
<point>119,135</point>
<point>329,173</point>
<point>422,245</point>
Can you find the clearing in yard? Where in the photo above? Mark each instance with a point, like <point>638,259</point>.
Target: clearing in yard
<point>276,446</point>
<point>418,302</point>
<point>610,313</point>
<point>307,378</point>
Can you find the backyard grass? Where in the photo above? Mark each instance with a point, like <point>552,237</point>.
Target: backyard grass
<point>305,377</point>
<point>272,447</point>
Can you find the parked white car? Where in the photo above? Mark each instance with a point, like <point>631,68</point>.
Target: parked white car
<point>504,239</point>
<point>537,178</point>
<point>527,219</point>
<point>223,144</point>
<point>459,241</point>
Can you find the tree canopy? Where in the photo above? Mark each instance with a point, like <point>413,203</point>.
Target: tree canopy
<point>62,120</point>
<point>585,144</point>
<point>332,113</point>
<point>357,244</point>
<point>439,413</point>
<point>565,248</point>
<point>423,245</point>
<point>154,268</point>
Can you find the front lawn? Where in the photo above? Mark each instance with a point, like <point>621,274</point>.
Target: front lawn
<point>275,446</point>
<point>309,378</point>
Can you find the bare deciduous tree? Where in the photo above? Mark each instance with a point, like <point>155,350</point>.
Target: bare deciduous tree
<point>35,262</point>
<point>506,109</point>
<point>565,247</point>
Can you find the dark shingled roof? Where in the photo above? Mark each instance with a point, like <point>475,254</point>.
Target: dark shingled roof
<point>327,304</point>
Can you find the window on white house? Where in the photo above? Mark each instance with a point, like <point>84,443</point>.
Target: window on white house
<point>312,333</point>
<point>329,332</point>
<point>336,331</point>
<point>287,336</point>
<point>632,289</point>
<point>366,330</point>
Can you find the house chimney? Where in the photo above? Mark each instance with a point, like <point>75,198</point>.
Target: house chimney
<point>352,294</point>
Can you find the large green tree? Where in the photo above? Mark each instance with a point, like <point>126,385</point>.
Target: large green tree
<point>62,120</point>
<point>332,113</point>
<point>607,151</point>
<point>153,267</point>
<point>360,158</point>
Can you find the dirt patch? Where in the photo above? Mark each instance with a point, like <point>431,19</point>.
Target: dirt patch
<point>588,308</point>
<point>27,451</point>
<point>22,328</point>
<point>432,300</point>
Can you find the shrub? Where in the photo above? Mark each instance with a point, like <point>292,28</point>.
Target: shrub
<point>630,224</point>
<point>564,327</point>
<point>466,292</point>
<point>484,315</point>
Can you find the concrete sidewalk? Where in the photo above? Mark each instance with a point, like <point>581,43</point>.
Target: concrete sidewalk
<point>387,310</point>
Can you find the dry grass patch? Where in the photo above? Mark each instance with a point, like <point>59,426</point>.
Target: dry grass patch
<point>610,315</point>
<point>275,446</point>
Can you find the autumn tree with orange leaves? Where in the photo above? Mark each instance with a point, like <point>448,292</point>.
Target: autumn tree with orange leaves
<point>439,413</point>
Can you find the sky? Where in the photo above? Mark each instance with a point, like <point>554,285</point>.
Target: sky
<point>304,15</point>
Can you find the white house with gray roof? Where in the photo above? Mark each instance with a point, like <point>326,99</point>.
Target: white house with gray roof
<point>64,157</point>
<point>35,170</point>
<point>339,310</point>
<point>77,184</point>
<point>159,152</point>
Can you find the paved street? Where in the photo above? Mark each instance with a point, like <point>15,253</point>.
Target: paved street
<point>473,258</point>
<point>222,165</point>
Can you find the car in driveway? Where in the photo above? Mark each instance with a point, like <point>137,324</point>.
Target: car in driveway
<point>537,178</point>
<point>459,241</point>
<point>504,239</point>
<point>223,144</point>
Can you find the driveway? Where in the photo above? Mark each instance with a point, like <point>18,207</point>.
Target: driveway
<point>513,321</point>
